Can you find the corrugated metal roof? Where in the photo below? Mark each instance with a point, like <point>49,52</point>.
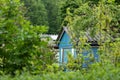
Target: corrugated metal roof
<point>95,38</point>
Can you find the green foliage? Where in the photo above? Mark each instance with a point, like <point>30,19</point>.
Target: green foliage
<point>44,12</point>
<point>52,13</point>
<point>54,18</point>
<point>54,68</point>
<point>21,47</point>
<point>71,5</point>
<point>37,12</point>
<point>96,18</point>
<point>97,72</point>
<point>74,64</point>
<point>111,51</point>
<point>79,63</point>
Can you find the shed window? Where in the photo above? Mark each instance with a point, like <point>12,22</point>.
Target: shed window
<point>65,52</point>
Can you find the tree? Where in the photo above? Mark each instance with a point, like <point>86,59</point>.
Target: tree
<point>99,19</point>
<point>71,5</point>
<point>36,12</point>
<point>21,46</point>
<point>44,12</point>
<point>54,18</point>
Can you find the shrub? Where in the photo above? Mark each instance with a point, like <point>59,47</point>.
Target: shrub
<point>97,72</point>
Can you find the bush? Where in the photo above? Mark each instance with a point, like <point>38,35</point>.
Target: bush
<point>97,72</point>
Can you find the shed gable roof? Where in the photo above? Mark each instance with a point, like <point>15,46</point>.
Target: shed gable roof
<point>96,37</point>
<point>60,35</point>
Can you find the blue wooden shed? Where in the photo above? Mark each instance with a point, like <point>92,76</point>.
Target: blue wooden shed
<point>65,46</point>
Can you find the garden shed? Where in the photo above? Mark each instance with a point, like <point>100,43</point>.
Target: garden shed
<point>65,46</point>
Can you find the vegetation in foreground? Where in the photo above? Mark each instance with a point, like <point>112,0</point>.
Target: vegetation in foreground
<point>97,72</point>
<point>25,56</point>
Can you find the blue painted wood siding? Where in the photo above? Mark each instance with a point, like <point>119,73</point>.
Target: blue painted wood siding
<point>64,44</point>
<point>65,41</point>
<point>94,52</point>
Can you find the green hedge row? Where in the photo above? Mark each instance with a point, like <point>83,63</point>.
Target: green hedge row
<point>95,73</point>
